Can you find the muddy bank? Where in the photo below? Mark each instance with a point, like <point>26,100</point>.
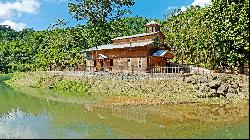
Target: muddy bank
<point>121,89</point>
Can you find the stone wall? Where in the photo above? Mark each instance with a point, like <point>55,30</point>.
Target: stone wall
<point>156,88</point>
<point>220,85</point>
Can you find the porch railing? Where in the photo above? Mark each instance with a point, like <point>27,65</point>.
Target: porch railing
<point>134,69</point>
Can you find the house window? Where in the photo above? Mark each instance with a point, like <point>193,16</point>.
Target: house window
<point>129,62</point>
<point>120,61</point>
<point>111,62</point>
<point>94,63</point>
<point>139,62</point>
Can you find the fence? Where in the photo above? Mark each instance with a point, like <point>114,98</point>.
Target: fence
<point>174,68</point>
<point>135,70</point>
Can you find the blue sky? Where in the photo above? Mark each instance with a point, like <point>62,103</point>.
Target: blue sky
<point>39,14</point>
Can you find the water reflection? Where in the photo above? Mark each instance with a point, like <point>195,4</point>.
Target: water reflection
<point>130,113</point>
<point>18,124</point>
<point>23,116</point>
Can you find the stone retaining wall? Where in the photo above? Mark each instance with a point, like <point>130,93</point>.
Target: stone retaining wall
<point>155,88</point>
<point>204,85</point>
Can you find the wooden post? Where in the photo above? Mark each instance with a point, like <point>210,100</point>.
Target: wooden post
<point>132,69</point>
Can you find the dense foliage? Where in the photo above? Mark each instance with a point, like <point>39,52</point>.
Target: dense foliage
<point>100,15</point>
<point>214,36</point>
<point>99,12</point>
<point>58,47</point>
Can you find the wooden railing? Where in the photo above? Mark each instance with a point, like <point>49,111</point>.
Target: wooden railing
<point>133,69</point>
<point>169,69</point>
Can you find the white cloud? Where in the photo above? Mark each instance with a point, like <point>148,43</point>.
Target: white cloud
<point>8,9</point>
<point>171,8</point>
<point>57,1</point>
<point>5,11</point>
<point>201,3</point>
<point>183,8</point>
<point>13,25</point>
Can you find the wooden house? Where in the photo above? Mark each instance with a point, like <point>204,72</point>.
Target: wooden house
<point>137,51</point>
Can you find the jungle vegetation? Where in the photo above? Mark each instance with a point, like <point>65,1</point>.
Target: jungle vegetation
<point>213,36</point>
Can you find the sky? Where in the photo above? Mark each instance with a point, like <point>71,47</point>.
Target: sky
<point>39,14</point>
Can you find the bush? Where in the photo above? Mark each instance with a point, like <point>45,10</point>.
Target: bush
<point>67,85</point>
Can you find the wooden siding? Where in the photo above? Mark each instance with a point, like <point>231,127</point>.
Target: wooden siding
<point>122,53</point>
<point>140,57</point>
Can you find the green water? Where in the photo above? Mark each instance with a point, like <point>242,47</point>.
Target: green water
<point>24,116</point>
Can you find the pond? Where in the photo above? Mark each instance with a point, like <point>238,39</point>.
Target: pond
<point>24,116</point>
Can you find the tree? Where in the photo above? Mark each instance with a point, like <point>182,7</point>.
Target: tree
<point>213,36</point>
<point>99,11</point>
<point>230,31</point>
<point>99,14</point>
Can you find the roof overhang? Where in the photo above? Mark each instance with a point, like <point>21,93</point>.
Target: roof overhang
<point>160,53</point>
<point>163,54</point>
<point>102,56</point>
<point>132,36</point>
<point>111,46</point>
<point>152,23</point>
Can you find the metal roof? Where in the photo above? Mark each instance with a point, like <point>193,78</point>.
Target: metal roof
<point>160,53</point>
<point>111,46</point>
<point>152,23</point>
<point>137,35</point>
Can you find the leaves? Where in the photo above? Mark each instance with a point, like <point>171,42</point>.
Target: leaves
<point>60,46</point>
<point>99,12</point>
<point>213,36</point>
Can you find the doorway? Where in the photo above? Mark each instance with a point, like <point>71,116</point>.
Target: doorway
<point>99,65</point>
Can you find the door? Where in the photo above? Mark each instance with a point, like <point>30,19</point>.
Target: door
<point>111,63</point>
<point>100,65</point>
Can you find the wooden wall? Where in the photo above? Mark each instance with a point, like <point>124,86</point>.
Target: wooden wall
<point>134,62</point>
<point>120,56</point>
<point>122,52</point>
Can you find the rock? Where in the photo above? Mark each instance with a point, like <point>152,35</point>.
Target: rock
<point>207,89</point>
<point>230,95</point>
<point>215,78</point>
<point>193,81</point>
<point>235,85</point>
<point>214,84</point>
<point>231,90</point>
<point>203,87</point>
<point>201,94</point>
<point>196,87</point>
<point>203,80</point>
<point>213,91</point>
<point>240,84</point>
<point>223,89</point>
<point>188,80</point>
